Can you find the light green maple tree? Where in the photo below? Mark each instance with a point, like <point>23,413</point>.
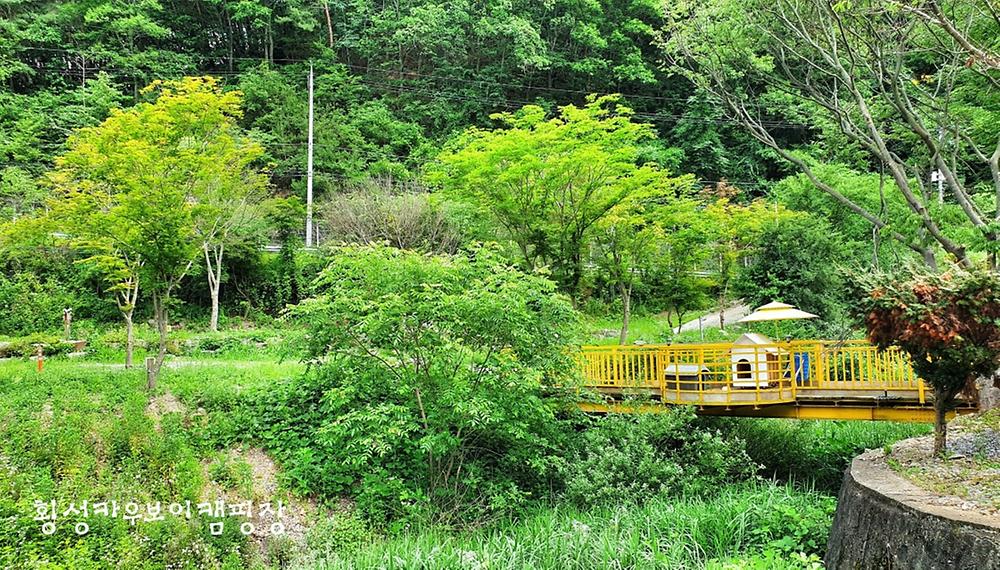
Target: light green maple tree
<point>143,189</point>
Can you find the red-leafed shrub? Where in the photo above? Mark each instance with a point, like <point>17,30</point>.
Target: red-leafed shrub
<point>948,322</point>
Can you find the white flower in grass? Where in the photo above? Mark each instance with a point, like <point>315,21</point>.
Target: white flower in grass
<point>471,560</point>
<point>581,528</point>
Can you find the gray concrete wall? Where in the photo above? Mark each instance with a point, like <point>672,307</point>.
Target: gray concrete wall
<point>886,522</point>
<point>989,392</point>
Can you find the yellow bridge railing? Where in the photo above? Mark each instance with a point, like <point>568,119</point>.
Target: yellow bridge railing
<point>753,374</point>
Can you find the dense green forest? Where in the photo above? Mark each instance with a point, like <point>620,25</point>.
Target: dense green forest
<point>726,102</point>
<point>393,86</point>
<point>494,183</point>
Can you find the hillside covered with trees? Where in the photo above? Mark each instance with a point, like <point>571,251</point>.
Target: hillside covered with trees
<point>737,108</point>
<point>492,184</point>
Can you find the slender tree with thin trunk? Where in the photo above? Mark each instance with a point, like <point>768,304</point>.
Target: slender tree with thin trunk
<point>143,182</point>
<point>632,241</point>
<point>227,216</point>
<point>907,84</point>
<point>121,271</point>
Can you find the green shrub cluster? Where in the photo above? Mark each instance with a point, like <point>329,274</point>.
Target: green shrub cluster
<point>31,304</point>
<point>341,533</point>
<point>25,346</point>
<point>434,395</point>
<point>110,343</point>
<point>426,399</point>
<point>630,458</point>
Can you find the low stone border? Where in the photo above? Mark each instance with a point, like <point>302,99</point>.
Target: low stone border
<point>884,521</point>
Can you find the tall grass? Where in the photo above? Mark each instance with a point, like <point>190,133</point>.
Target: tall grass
<point>812,453</point>
<point>746,525</point>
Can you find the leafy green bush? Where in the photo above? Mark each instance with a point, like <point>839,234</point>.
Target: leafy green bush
<point>790,528</point>
<point>427,393</point>
<point>30,304</point>
<point>342,532</point>
<point>632,458</point>
<point>26,346</point>
<point>109,343</point>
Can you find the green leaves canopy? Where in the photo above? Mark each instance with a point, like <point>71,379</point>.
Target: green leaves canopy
<point>146,179</point>
<point>547,182</point>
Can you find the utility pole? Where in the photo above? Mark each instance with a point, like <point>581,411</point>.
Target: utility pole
<point>309,167</point>
<point>938,176</point>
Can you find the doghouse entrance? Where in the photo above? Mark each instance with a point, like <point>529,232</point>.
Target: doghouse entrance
<point>743,369</point>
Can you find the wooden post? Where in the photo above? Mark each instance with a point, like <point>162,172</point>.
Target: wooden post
<point>150,363</point>
<point>67,323</point>
<point>40,357</point>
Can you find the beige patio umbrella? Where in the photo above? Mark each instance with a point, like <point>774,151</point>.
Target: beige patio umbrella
<point>775,311</point>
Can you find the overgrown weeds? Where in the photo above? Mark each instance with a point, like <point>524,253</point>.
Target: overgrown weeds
<point>755,525</point>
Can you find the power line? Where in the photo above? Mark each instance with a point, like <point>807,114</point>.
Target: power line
<point>505,103</point>
<point>369,69</point>
<point>660,116</point>
<point>377,155</point>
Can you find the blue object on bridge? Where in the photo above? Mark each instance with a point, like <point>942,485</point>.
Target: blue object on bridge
<point>801,360</point>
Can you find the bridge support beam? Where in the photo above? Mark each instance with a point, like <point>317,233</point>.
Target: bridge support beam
<point>863,413</point>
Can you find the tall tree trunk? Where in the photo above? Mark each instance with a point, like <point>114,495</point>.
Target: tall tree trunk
<point>626,293</point>
<point>576,277</point>
<point>160,314</point>
<point>129,338</point>
<point>940,422</point>
<point>213,265</point>
<point>229,40</point>
<point>329,23</point>
<point>213,323</point>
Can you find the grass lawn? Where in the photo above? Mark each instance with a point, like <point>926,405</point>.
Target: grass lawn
<point>605,330</point>
<point>653,329</point>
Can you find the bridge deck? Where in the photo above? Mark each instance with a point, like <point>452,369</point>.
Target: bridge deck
<point>803,379</point>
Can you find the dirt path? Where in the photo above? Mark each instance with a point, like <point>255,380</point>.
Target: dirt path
<point>711,320</point>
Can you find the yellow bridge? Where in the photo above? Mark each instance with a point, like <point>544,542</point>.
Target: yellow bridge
<point>849,380</point>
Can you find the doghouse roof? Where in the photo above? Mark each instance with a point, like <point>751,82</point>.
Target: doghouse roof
<point>754,339</point>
